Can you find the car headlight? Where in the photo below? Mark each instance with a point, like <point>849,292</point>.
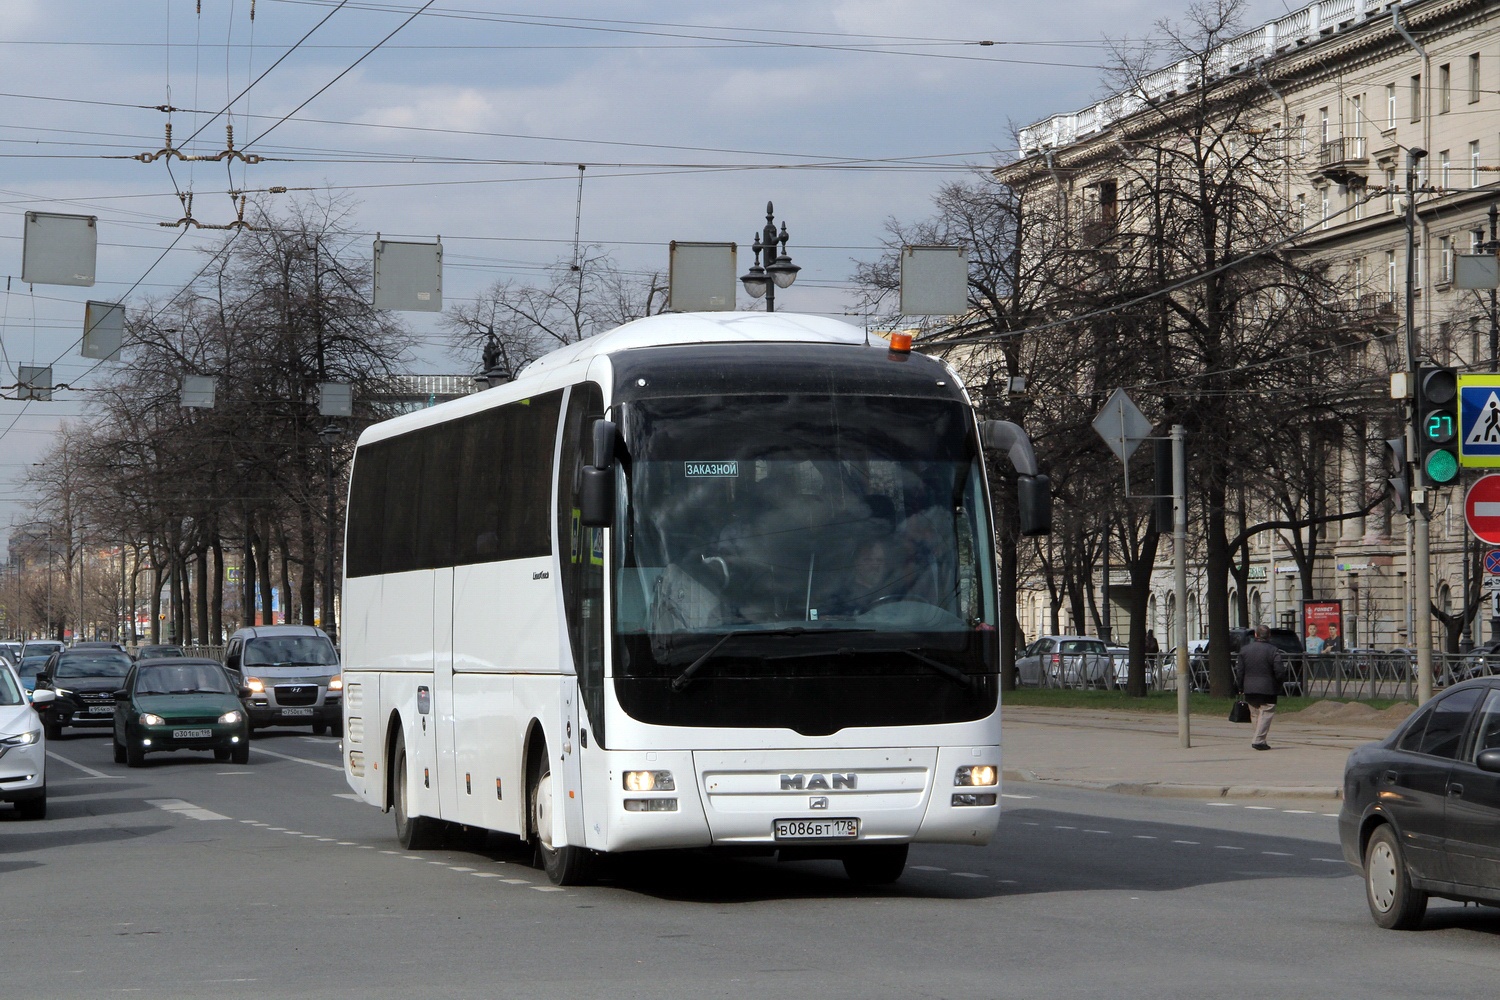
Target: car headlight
<point>232,716</point>
<point>150,719</point>
<point>21,739</point>
<point>975,774</point>
<point>336,683</point>
<point>256,685</point>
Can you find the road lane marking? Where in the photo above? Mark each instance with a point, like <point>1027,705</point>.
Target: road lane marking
<point>1144,836</point>
<point>1190,843</point>
<point>1332,861</point>
<point>182,808</point>
<point>86,770</point>
<point>347,795</point>
<point>927,868</point>
<point>549,888</point>
<point>485,874</point>
<point>1263,808</point>
<point>1226,847</point>
<point>1277,854</point>
<point>301,760</point>
<point>967,875</point>
<point>1009,795</point>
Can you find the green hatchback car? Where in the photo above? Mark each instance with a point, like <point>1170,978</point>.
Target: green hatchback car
<point>179,703</point>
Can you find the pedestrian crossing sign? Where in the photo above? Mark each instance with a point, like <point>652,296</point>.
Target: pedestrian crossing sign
<point>1479,421</point>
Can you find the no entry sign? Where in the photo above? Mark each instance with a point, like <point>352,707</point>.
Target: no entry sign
<point>1482,509</point>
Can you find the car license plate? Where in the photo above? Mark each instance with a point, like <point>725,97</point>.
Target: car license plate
<point>296,711</point>
<point>101,710</point>
<point>816,829</point>
<point>191,734</point>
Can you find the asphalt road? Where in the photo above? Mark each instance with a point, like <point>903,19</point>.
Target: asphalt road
<point>190,878</point>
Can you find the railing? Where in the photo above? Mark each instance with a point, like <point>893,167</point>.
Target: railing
<point>1345,149</point>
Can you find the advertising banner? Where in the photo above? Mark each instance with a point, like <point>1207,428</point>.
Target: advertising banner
<point>1322,626</point>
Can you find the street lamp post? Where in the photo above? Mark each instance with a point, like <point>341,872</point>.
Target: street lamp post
<point>1422,575</point>
<point>329,433</point>
<point>778,272</point>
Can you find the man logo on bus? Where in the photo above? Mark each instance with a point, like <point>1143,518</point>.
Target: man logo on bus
<point>816,782</point>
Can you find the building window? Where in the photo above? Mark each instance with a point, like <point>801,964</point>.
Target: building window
<point>1390,273</point>
<point>1390,189</point>
<point>1324,217</point>
<point>1302,135</point>
<point>1416,97</point>
<point>1357,113</point>
<point>1323,125</point>
<point>1474,164</point>
<point>1358,273</point>
<point>1301,212</point>
<point>1390,106</point>
<point>1474,78</point>
<point>1445,168</point>
<point>1445,260</point>
<point>1445,89</point>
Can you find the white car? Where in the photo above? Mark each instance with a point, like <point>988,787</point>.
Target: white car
<point>23,747</point>
<point>1063,661</point>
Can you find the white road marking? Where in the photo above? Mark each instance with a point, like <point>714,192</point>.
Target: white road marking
<point>1298,812</point>
<point>548,888</point>
<point>1332,861</point>
<point>1008,795</point>
<point>1277,854</point>
<point>457,868</point>
<point>231,772</point>
<point>1220,805</point>
<point>1190,843</point>
<point>927,868</point>
<point>966,875</point>
<point>1263,808</point>
<point>515,881</point>
<point>1144,836</point>
<point>187,809</point>
<point>1226,847</point>
<point>485,874</point>
<point>1096,831</point>
<point>300,760</point>
<point>86,770</point>
<point>347,795</point>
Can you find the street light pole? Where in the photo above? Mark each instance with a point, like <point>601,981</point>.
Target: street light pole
<point>329,434</point>
<point>779,272</point>
<point>1422,571</point>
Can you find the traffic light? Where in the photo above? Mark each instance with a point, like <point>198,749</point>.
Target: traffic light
<point>1437,424</point>
<point>1400,481</point>
<point>1162,493</point>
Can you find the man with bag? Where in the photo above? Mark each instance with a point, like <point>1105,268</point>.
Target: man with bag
<point>1258,675</point>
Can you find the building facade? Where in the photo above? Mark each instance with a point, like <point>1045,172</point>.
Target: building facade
<point>1349,87</point>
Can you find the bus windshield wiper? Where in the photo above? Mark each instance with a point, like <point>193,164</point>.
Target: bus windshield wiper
<point>685,678</point>
<point>954,674</point>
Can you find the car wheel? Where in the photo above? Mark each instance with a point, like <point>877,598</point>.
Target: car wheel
<point>563,865</point>
<point>416,833</point>
<point>1394,904</point>
<point>336,727</point>
<point>33,808</point>
<point>221,754</point>
<point>319,728</point>
<point>54,729</point>
<point>877,865</point>
<point>135,755</point>
<point>119,754</point>
<point>240,754</point>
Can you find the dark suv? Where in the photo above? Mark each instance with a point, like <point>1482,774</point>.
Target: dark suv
<point>1290,644</point>
<point>85,681</point>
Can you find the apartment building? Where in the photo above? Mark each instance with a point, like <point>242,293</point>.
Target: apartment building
<point>1352,86</point>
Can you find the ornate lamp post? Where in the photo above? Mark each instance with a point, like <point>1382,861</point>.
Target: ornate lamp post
<point>778,272</point>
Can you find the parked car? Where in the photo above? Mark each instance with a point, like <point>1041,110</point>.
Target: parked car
<point>84,682</point>
<point>23,748</point>
<point>1421,811</point>
<point>157,651</point>
<point>1063,661</point>
<point>179,703</point>
<point>292,672</point>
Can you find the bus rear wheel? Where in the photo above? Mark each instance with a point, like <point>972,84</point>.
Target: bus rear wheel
<point>563,865</point>
<point>416,833</point>
<point>876,865</point>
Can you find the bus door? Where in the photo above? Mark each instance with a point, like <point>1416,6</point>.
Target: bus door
<point>444,703</point>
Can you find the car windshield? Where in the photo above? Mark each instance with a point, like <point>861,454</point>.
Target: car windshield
<point>1077,646</point>
<point>10,692</point>
<point>182,678</point>
<point>101,664</point>
<point>290,651</point>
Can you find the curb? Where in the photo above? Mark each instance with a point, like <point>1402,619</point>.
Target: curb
<point>1166,789</point>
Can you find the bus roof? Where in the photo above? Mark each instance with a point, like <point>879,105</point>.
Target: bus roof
<point>704,328</point>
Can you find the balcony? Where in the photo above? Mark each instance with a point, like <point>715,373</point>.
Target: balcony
<point>1344,160</point>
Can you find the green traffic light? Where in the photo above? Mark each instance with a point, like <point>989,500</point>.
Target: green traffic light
<point>1442,468</point>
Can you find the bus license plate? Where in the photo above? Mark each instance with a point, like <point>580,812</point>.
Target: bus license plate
<point>296,711</point>
<point>191,734</point>
<point>816,829</point>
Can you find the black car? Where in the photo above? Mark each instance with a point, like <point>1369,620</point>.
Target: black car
<point>85,681</point>
<point>1421,813</point>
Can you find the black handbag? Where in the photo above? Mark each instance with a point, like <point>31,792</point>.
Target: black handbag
<point>1239,711</point>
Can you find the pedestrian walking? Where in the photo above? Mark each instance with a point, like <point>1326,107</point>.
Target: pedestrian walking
<point>1258,675</point>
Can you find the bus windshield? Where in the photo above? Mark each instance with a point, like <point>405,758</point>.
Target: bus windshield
<point>829,523</point>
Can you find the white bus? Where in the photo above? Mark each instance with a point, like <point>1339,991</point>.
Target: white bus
<point>707,580</point>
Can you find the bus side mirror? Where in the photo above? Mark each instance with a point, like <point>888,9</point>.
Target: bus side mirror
<point>1034,504</point>
<point>596,493</point>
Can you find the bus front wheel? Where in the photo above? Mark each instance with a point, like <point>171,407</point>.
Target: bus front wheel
<point>563,865</point>
<point>416,833</point>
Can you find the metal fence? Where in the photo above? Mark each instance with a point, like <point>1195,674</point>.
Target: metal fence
<point>1358,675</point>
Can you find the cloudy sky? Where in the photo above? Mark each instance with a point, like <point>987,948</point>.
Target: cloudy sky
<point>470,122</point>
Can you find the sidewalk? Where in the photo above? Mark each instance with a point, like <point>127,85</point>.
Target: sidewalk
<point>1139,754</point>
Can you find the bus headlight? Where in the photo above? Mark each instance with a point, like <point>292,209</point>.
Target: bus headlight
<point>975,774</point>
<point>649,781</point>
